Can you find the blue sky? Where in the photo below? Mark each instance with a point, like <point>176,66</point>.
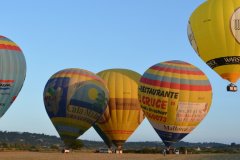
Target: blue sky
<point>97,35</point>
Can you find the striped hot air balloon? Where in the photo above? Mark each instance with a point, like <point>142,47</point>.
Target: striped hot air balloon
<point>175,97</point>
<point>123,114</point>
<point>12,72</point>
<point>74,99</point>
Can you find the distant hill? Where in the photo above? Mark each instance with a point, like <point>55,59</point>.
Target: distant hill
<point>46,141</point>
<point>28,139</point>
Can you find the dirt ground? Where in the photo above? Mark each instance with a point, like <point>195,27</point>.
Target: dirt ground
<point>105,156</point>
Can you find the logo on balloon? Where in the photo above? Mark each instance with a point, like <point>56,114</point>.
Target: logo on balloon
<point>93,93</point>
<point>235,25</point>
<point>5,86</point>
<point>191,38</point>
<point>191,112</point>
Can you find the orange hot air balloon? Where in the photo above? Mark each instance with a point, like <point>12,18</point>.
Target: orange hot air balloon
<point>123,114</point>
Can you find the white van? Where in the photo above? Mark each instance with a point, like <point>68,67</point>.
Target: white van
<point>104,150</point>
<point>65,151</point>
<point>176,152</point>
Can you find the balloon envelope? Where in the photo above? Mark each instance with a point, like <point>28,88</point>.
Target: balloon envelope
<point>12,72</point>
<point>175,97</point>
<point>74,99</point>
<point>123,114</point>
<point>214,33</point>
<point>104,136</point>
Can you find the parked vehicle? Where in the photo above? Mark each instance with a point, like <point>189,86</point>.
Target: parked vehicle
<point>65,151</point>
<point>104,150</point>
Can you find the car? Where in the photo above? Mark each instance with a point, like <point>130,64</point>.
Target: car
<point>104,150</point>
<point>65,151</point>
<point>176,152</point>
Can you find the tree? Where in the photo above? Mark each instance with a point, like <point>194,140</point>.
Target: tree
<point>233,144</point>
<point>54,147</point>
<point>76,144</point>
<point>5,145</point>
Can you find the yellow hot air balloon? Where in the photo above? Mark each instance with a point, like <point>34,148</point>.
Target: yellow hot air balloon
<point>214,33</point>
<point>175,97</point>
<point>123,114</point>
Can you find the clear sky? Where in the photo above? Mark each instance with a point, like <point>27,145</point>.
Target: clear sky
<point>103,34</point>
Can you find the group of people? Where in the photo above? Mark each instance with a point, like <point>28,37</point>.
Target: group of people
<point>170,151</point>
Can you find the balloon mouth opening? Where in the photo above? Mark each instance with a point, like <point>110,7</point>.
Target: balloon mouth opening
<point>118,143</point>
<point>168,144</point>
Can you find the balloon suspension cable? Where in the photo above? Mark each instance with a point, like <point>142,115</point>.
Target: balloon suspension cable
<point>232,87</point>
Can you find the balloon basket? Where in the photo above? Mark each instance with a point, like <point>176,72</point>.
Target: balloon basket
<point>232,88</point>
<point>119,151</point>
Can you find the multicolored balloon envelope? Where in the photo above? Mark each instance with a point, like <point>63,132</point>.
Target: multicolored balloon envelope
<point>74,99</point>
<point>12,72</point>
<point>175,97</point>
<point>214,33</point>
<point>123,114</point>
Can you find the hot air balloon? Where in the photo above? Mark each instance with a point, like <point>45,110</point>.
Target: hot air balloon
<point>74,99</point>
<point>105,137</point>
<point>123,114</point>
<point>175,97</point>
<point>12,72</point>
<point>214,33</point>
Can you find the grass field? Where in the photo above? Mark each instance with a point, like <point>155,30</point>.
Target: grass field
<point>104,156</point>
